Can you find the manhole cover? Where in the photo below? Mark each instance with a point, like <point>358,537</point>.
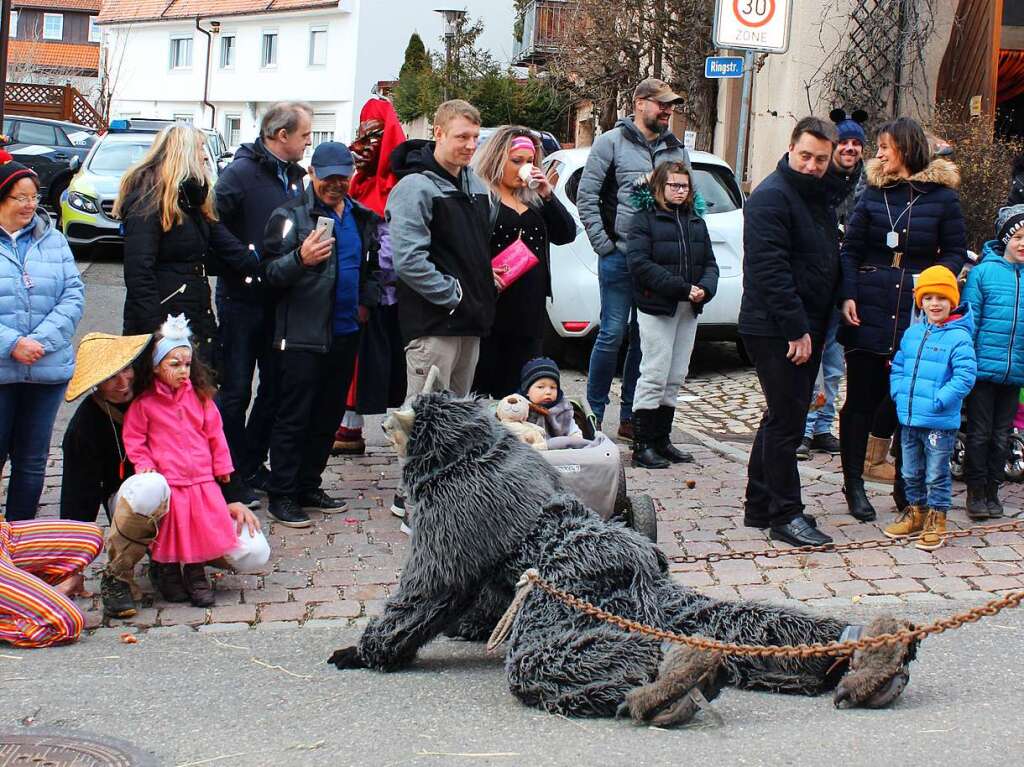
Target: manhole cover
<point>47,749</point>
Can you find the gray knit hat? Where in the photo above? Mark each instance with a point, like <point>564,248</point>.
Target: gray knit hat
<point>1008,221</point>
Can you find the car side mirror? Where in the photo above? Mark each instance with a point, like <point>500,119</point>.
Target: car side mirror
<point>75,164</point>
<point>227,155</point>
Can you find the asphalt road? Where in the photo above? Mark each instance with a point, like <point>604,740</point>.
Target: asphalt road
<point>268,698</point>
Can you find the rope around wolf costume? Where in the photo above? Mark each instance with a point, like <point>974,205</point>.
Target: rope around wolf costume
<point>490,508</point>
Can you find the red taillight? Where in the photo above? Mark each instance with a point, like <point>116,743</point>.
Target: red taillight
<point>575,327</point>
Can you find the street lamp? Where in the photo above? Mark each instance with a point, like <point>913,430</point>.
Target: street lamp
<point>452,26</point>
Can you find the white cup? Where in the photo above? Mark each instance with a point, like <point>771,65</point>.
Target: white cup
<point>526,174</point>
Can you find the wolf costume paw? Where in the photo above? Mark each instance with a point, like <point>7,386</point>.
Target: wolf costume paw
<point>346,658</point>
<point>671,698</point>
<point>877,676</point>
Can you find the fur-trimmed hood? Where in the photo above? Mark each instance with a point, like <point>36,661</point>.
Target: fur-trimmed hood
<point>939,172</point>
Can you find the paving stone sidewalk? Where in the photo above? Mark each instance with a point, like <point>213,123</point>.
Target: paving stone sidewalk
<point>342,569</point>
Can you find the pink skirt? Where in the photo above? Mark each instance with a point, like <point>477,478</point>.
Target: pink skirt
<point>197,527</point>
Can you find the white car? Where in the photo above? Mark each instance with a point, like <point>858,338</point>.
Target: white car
<point>575,306</point>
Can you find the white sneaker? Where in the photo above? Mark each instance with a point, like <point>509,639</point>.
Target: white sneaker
<point>406,529</point>
<point>398,507</point>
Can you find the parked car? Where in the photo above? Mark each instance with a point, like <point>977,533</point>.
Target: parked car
<point>49,147</point>
<point>87,207</point>
<point>574,310</point>
<point>548,142</point>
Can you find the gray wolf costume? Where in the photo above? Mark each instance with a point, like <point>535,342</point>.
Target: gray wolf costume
<point>488,507</point>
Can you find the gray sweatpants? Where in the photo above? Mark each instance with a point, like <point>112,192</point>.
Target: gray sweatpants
<point>666,344</point>
<point>455,357</point>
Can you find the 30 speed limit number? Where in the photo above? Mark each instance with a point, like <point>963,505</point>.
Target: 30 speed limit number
<point>755,24</point>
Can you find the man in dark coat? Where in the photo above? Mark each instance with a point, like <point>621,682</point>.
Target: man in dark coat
<point>326,283</point>
<point>264,175</point>
<point>790,278</point>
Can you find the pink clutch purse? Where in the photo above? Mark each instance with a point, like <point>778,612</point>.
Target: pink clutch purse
<point>512,263</point>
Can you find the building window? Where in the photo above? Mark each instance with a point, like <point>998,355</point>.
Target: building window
<point>268,51</point>
<point>95,33</point>
<point>181,52</point>
<point>227,51</point>
<point>53,26</point>
<point>324,124</point>
<point>232,130</point>
<point>14,23</point>
<point>318,46</point>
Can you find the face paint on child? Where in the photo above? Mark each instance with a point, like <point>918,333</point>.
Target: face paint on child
<point>175,368</point>
<point>543,391</point>
<point>1015,248</point>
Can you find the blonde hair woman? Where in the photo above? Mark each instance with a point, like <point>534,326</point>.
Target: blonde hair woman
<point>172,238</point>
<point>523,207</point>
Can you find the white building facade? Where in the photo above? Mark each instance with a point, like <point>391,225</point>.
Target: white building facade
<point>224,67</point>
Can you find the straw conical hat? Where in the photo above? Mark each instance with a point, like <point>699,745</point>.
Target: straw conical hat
<point>100,356</point>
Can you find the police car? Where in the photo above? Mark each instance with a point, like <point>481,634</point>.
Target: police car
<point>49,147</point>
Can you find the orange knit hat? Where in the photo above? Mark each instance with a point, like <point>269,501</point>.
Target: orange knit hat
<point>937,279</point>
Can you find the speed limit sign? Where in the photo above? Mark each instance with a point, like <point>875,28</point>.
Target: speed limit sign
<point>756,25</point>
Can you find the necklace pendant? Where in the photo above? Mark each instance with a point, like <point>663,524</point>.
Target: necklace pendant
<point>892,240</point>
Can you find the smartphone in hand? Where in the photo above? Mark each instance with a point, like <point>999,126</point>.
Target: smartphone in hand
<point>325,226</point>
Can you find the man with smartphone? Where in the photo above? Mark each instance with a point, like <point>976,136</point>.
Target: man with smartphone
<point>321,252</point>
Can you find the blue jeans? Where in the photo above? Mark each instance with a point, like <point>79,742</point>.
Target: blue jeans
<point>926,474</point>
<point>27,413</point>
<point>618,318</point>
<point>247,334</point>
<point>820,421</point>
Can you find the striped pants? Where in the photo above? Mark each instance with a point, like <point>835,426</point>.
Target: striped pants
<point>34,556</point>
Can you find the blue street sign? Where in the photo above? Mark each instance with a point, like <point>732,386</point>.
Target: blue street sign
<point>723,66</point>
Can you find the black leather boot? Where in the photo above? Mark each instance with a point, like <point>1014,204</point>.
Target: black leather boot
<point>644,435</point>
<point>995,506</point>
<point>663,442</point>
<point>977,503</point>
<point>853,442</point>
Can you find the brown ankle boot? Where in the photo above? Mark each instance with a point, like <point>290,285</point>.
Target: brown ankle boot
<point>934,534</point>
<point>876,461</point>
<point>199,588</point>
<point>911,521</point>
<point>166,576</point>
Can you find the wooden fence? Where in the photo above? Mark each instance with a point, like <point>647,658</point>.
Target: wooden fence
<point>54,102</point>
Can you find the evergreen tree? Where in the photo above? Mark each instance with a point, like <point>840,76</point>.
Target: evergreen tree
<point>413,92</point>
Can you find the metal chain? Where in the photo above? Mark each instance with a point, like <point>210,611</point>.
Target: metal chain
<point>875,543</point>
<point>903,636</point>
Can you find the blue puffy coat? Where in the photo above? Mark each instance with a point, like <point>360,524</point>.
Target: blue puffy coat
<point>41,300</point>
<point>931,232</point>
<point>934,371</point>
<point>994,293</point>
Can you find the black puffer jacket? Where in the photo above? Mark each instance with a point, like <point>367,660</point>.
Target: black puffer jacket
<point>248,191</point>
<point>1016,196</point>
<point>790,256</point>
<point>165,272</point>
<point>931,232</point>
<point>669,252</point>
<point>305,305</point>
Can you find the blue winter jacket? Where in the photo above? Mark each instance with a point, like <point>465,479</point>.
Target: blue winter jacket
<point>994,291</point>
<point>41,297</point>
<point>933,371</point>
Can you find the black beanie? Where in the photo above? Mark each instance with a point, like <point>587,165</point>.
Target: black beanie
<point>10,171</point>
<point>537,368</point>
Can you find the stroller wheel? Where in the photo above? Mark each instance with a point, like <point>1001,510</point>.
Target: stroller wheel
<point>621,498</point>
<point>1015,463</point>
<point>642,516</point>
<point>959,457</point>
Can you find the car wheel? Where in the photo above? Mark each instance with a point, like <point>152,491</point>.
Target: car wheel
<point>643,517</point>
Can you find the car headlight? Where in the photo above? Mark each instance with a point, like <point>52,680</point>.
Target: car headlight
<point>83,202</point>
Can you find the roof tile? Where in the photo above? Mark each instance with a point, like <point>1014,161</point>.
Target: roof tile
<point>92,6</point>
<point>118,11</point>
<point>41,54</point>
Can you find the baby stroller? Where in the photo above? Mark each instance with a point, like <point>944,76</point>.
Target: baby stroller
<point>1014,462</point>
<point>591,468</point>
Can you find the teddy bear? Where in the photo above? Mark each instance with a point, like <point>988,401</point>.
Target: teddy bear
<point>513,411</point>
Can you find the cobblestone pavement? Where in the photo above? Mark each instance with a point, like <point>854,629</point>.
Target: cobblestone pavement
<point>341,570</point>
